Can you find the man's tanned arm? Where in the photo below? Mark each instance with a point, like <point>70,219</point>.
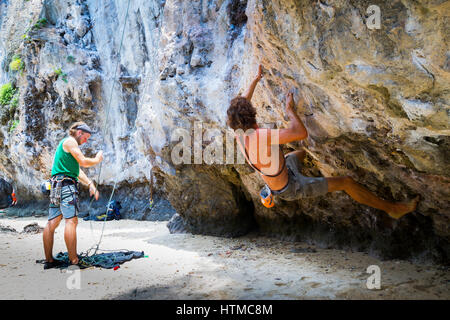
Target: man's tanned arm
<point>72,146</point>
<point>82,177</point>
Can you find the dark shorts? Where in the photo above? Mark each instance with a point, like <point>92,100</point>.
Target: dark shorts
<point>300,186</point>
<point>68,207</point>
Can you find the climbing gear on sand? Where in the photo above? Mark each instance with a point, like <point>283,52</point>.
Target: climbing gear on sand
<point>82,264</point>
<point>114,210</point>
<point>266,197</point>
<point>113,213</point>
<point>107,260</point>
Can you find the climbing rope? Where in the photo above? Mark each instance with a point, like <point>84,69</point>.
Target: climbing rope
<point>97,245</point>
<point>110,259</point>
<point>151,188</point>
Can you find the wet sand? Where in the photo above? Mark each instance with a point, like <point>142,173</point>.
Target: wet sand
<point>185,266</point>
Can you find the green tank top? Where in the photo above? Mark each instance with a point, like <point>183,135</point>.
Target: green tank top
<point>65,163</point>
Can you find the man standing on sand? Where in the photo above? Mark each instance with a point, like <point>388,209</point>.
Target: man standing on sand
<point>282,172</point>
<point>64,194</point>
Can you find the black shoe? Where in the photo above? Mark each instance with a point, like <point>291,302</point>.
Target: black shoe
<point>54,264</point>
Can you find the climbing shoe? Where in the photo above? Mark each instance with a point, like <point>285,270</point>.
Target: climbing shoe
<point>54,264</point>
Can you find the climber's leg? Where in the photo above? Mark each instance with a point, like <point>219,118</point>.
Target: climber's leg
<point>364,196</point>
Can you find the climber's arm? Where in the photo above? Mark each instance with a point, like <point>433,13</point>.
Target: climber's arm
<point>296,131</point>
<point>82,177</point>
<point>248,95</point>
<point>86,181</point>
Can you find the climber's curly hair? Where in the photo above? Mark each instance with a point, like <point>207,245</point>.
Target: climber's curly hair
<point>241,114</point>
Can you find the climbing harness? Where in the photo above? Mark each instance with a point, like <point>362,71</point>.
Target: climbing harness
<point>55,193</point>
<point>56,184</point>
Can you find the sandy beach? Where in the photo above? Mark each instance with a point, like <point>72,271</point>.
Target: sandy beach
<point>185,266</point>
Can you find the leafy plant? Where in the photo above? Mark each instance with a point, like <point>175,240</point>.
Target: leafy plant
<point>39,24</point>
<point>61,74</point>
<point>16,63</point>
<point>71,59</point>
<point>6,93</point>
<point>58,71</point>
<point>8,96</point>
<point>14,102</point>
<point>13,125</point>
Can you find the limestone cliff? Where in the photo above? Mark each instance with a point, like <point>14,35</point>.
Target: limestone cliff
<point>378,106</point>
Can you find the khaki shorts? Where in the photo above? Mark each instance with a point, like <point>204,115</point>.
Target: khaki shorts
<point>300,186</point>
<point>68,206</point>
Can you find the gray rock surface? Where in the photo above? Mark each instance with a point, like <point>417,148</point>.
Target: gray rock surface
<point>378,107</point>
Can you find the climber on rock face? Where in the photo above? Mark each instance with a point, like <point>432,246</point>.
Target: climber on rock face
<point>280,172</point>
<point>64,194</point>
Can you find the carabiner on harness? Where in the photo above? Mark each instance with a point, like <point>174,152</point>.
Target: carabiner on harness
<point>55,192</point>
<point>56,184</point>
